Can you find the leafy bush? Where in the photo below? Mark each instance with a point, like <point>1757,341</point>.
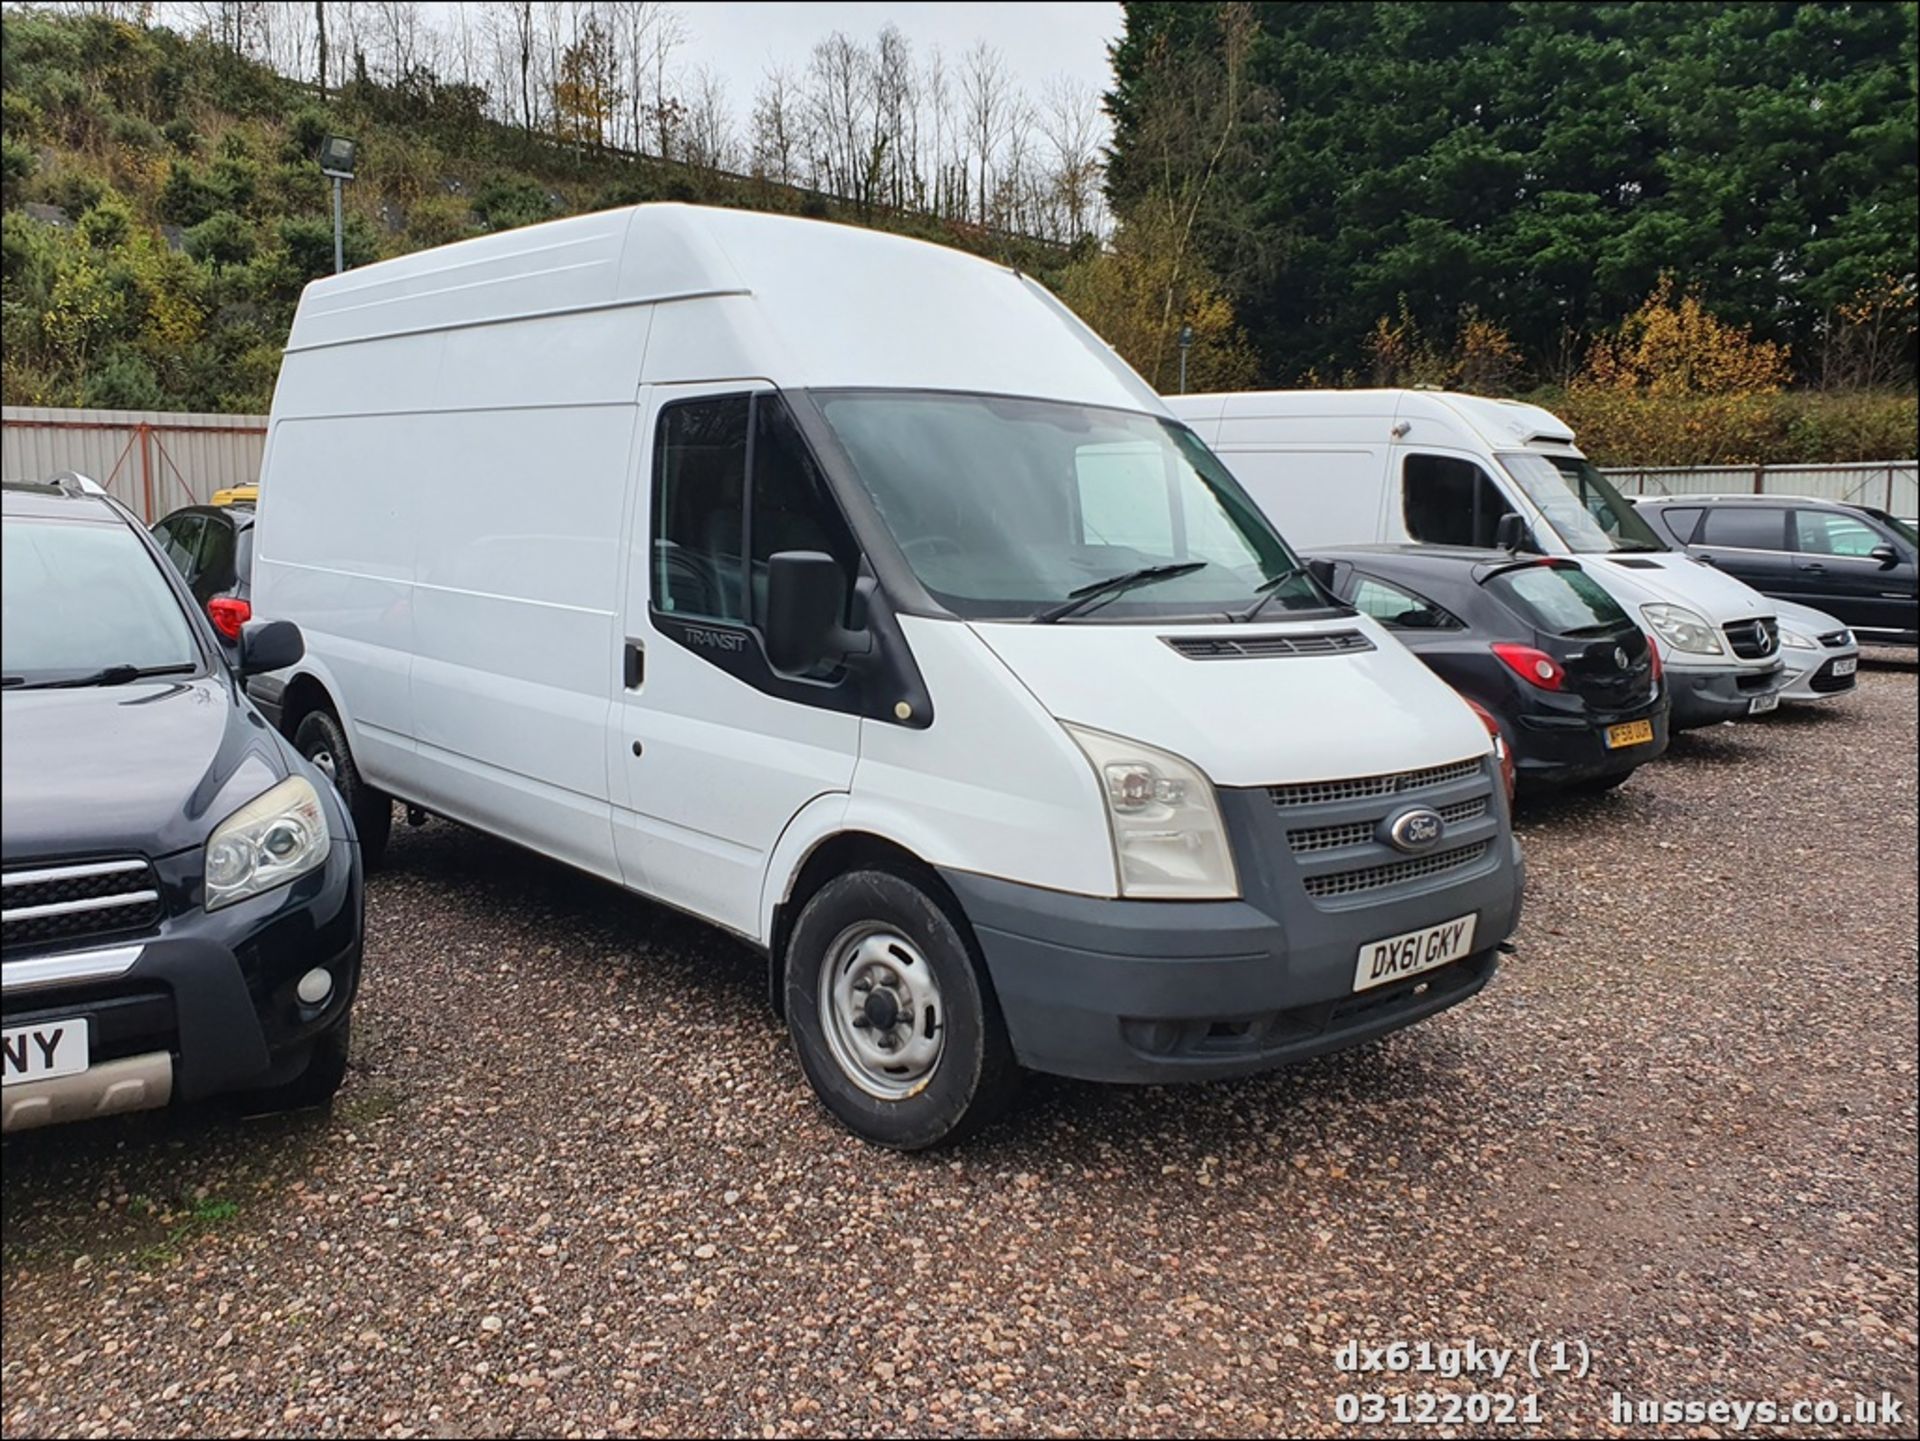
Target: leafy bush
<point>439,220</point>
<point>235,180</point>
<point>135,133</point>
<point>108,224</point>
<point>76,191</point>
<point>508,202</point>
<point>17,164</point>
<point>124,381</point>
<point>186,198</point>
<point>180,134</point>
<point>222,240</point>
<point>20,118</point>
<point>306,128</point>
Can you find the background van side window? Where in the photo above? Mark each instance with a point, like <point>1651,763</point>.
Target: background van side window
<point>1449,501</point>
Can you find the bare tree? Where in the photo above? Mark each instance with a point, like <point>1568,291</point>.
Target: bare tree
<point>896,117</point>
<point>1070,124</point>
<point>985,95</point>
<point>320,27</point>
<point>709,141</point>
<point>779,128</point>
<point>840,110</point>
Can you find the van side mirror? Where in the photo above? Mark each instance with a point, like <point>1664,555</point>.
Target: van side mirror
<point>1886,555</point>
<point>270,645</point>
<point>1512,533</point>
<point>806,596</point>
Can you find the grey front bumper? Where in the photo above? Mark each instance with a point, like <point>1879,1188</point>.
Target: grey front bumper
<point>1156,991</point>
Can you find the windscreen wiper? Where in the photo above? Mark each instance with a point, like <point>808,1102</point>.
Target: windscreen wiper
<point>111,675</point>
<point>1086,595</point>
<point>1268,589</point>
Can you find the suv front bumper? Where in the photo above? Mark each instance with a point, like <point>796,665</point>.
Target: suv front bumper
<point>204,1005</point>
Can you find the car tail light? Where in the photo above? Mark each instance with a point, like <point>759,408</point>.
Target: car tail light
<point>228,613</point>
<point>1500,747</point>
<point>1535,667</point>
<point>1653,652</point>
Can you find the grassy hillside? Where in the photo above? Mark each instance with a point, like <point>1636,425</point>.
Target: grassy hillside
<point>163,208</point>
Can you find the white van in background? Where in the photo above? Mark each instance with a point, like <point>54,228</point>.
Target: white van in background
<point>845,591</point>
<point>1338,467</point>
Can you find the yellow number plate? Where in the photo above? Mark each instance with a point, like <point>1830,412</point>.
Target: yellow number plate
<point>1633,733</point>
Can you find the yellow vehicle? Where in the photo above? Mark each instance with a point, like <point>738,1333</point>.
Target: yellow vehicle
<point>236,495</point>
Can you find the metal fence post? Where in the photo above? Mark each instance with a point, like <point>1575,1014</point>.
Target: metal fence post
<point>1760,478</point>
<point>145,432</point>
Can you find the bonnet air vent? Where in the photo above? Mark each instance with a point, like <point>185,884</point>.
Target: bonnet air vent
<point>1223,647</point>
<point>1634,564</point>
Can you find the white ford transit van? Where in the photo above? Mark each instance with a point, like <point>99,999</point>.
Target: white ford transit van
<point>1337,467</point>
<point>846,591</point>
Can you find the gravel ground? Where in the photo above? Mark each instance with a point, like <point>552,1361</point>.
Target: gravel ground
<point>576,1184</point>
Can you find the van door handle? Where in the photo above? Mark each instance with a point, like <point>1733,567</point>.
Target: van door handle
<point>1812,565</point>
<point>635,667</point>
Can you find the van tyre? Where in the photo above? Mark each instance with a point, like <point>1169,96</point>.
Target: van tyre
<point>892,1014</point>
<point>315,1086</point>
<point>323,740</point>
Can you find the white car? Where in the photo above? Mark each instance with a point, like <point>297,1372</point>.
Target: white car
<point>1820,654</point>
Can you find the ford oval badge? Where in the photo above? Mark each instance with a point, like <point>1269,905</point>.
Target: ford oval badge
<point>1414,830</point>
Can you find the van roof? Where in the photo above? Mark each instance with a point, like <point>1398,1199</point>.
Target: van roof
<point>732,294</point>
<point>1494,423</point>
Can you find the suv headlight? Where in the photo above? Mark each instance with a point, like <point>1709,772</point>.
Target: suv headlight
<point>1795,641</point>
<point>276,836</point>
<point>1683,629</point>
<point>1168,839</point>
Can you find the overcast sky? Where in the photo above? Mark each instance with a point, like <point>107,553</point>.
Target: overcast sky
<point>739,41</point>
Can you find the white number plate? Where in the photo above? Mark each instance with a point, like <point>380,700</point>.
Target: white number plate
<point>39,1053</point>
<point>1846,665</point>
<point>1761,704</point>
<point>1416,951</point>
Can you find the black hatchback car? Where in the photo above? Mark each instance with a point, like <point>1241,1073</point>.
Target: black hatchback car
<point>1572,682</point>
<point>182,890</point>
<point>1854,562</point>
<point>212,547</point>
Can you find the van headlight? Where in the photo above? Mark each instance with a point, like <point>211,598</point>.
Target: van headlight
<point>276,836</point>
<point>1168,839</point>
<point>1682,629</point>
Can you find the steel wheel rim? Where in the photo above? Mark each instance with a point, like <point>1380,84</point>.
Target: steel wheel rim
<point>323,758</point>
<point>881,1011</point>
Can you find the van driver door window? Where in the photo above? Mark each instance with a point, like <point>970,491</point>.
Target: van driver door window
<point>1449,500</point>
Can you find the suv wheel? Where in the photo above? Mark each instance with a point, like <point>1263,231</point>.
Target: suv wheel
<point>322,740</point>
<point>893,1018</point>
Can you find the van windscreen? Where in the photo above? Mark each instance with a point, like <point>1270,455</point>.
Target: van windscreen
<point>1580,503</point>
<point>1005,508</point>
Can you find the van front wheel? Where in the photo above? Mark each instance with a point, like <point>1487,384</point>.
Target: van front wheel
<point>323,740</point>
<point>894,1022</point>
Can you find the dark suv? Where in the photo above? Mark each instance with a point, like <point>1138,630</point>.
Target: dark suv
<point>182,890</point>
<point>1854,562</point>
<point>212,547</point>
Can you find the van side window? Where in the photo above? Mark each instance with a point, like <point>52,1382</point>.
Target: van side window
<point>699,508</point>
<point>707,521</point>
<point>1449,501</point>
<point>792,507</point>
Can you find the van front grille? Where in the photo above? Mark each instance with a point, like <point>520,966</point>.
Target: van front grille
<point>1372,878</point>
<point>1316,793</point>
<point>77,901</point>
<point>1754,639</point>
<point>1357,833</point>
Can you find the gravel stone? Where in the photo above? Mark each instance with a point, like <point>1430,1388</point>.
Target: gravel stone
<point>576,1184</point>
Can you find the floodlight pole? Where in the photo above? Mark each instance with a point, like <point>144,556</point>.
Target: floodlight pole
<point>1186,344</point>
<point>339,249</point>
